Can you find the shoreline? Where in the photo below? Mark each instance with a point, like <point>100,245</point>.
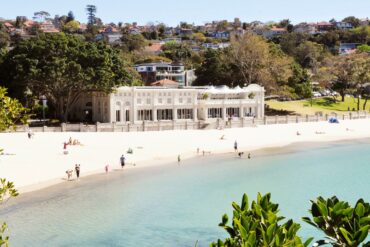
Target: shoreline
<point>149,153</point>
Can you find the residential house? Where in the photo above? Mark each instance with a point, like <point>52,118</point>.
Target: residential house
<point>273,32</point>
<point>304,27</point>
<point>347,48</point>
<point>324,26</point>
<point>48,27</point>
<point>221,35</point>
<point>343,25</point>
<point>110,34</point>
<point>151,72</point>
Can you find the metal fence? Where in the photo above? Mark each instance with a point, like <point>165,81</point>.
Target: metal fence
<point>191,125</point>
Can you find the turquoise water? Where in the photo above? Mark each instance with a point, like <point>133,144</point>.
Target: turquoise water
<point>177,205</point>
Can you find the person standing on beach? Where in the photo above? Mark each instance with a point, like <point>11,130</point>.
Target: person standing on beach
<point>106,169</point>
<point>122,161</point>
<point>178,159</point>
<point>236,146</point>
<point>78,169</point>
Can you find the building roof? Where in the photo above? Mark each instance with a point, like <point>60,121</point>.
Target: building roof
<point>155,47</point>
<point>164,82</point>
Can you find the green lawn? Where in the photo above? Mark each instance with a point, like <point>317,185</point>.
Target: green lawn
<point>324,105</point>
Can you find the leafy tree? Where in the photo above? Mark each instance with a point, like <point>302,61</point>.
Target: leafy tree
<point>344,226</point>
<point>309,54</point>
<point>19,20</point>
<point>63,67</point>
<point>71,27</point>
<point>41,15</point>
<point>259,225</point>
<point>256,61</point>
<point>284,23</point>
<point>132,42</point>
<point>11,111</point>
<point>353,20</point>
<point>177,52</point>
<point>199,37</point>
<point>4,40</point>
<point>7,191</point>
<point>70,16</point>
<point>364,48</point>
<point>214,69</point>
<point>290,41</point>
<point>91,12</point>
<point>300,82</point>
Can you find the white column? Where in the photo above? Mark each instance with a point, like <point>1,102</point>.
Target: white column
<point>154,114</point>
<point>174,114</point>
<point>241,112</point>
<point>224,113</point>
<point>195,114</point>
<point>205,112</point>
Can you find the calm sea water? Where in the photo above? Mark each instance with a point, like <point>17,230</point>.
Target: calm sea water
<point>177,205</point>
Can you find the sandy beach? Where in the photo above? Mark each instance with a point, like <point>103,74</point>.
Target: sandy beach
<point>39,162</point>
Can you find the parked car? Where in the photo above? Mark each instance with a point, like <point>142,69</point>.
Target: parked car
<point>316,94</point>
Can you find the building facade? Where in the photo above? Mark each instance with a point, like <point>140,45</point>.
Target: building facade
<point>138,104</point>
<point>152,72</point>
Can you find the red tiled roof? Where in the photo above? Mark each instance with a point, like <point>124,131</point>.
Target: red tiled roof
<point>155,47</point>
<point>8,25</point>
<point>164,82</point>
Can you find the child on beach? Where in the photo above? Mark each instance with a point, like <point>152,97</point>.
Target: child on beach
<point>122,159</point>
<point>235,146</point>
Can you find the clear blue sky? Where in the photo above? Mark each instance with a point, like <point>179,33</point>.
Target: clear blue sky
<point>172,12</point>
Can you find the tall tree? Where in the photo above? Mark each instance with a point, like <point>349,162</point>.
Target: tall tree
<point>64,67</point>
<point>91,12</point>
<point>353,20</point>
<point>70,16</point>
<point>41,15</point>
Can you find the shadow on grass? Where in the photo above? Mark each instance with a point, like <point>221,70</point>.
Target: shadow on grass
<point>326,101</point>
<point>274,112</point>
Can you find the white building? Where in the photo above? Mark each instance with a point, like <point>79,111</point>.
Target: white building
<point>138,104</point>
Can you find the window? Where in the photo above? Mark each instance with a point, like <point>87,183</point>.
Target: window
<point>127,115</point>
<point>169,101</point>
<point>232,112</point>
<point>189,100</point>
<point>127,103</point>
<point>184,113</point>
<point>214,112</point>
<point>144,115</point>
<point>138,101</point>
<point>164,114</point>
<point>160,100</point>
<point>180,100</point>
<point>148,101</point>
<point>118,116</point>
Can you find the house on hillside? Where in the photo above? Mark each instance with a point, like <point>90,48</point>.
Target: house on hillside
<point>110,34</point>
<point>152,72</point>
<point>309,28</point>
<point>221,35</point>
<point>48,27</point>
<point>273,32</point>
<point>347,48</point>
<point>343,25</point>
<point>324,26</point>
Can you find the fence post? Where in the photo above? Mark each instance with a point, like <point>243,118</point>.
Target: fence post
<point>326,117</point>
<point>286,119</point>
<point>97,126</point>
<point>143,126</point>
<point>63,126</point>
<point>186,124</point>
<point>350,115</point>
<point>306,118</point>
<point>44,128</point>
<point>297,119</point>
<point>128,127</point>
<point>276,119</point>
<point>242,120</point>
<point>264,120</point>
<point>173,124</point>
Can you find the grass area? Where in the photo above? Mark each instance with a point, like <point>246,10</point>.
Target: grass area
<point>324,105</point>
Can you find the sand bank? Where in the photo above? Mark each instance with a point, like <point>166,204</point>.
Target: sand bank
<point>39,162</point>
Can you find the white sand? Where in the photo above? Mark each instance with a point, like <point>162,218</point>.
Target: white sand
<point>40,162</point>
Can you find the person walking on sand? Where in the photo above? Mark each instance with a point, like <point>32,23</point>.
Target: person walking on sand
<point>178,159</point>
<point>236,146</point>
<point>249,155</point>
<point>78,169</point>
<point>122,159</point>
<point>106,169</point>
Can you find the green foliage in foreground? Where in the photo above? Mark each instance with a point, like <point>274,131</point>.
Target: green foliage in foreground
<point>259,225</point>
<point>11,111</point>
<point>6,192</point>
<point>344,225</point>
